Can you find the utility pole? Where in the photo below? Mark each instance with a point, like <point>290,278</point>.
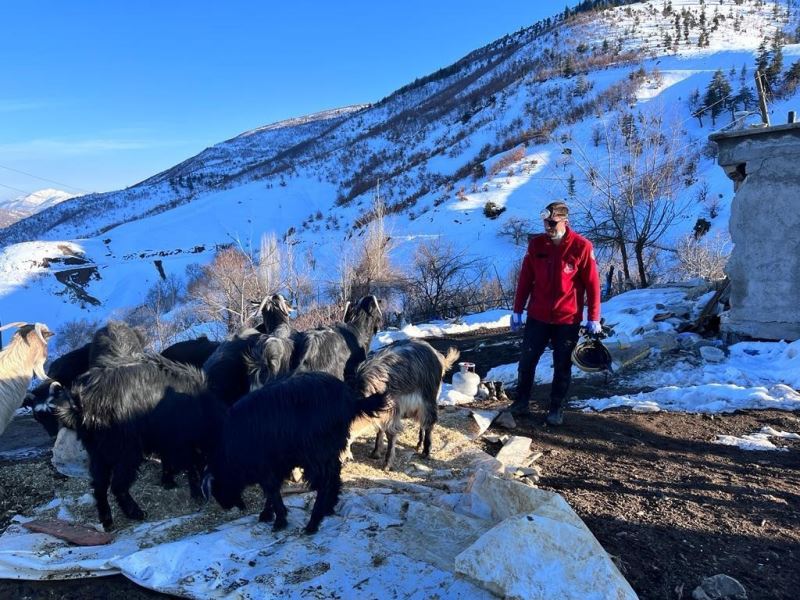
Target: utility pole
<point>762,98</point>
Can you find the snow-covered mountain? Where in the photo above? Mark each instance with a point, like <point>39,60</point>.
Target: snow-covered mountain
<point>503,125</point>
<point>20,207</point>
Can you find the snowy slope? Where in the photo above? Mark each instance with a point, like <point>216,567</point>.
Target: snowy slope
<point>317,175</point>
<point>23,206</point>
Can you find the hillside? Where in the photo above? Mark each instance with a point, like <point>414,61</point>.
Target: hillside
<point>21,207</point>
<point>514,123</point>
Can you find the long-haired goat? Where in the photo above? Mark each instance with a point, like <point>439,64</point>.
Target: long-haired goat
<point>63,370</point>
<point>270,357</point>
<point>300,421</point>
<point>191,352</point>
<point>274,311</point>
<point>24,357</point>
<point>339,350</point>
<point>409,373</point>
<point>227,369</point>
<point>135,406</point>
<point>115,340</point>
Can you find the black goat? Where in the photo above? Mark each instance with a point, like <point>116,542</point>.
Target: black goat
<point>409,374</point>
<point>133,407</point>
<point>115,340</point>
<point>339,350</point>
<point>300,421</point>
<point>191,352</point>
<point>274,311</point>
<point>227,368</point>
<point>63,370</point>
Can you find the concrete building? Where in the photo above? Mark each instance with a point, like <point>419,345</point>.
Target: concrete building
<point>764,267</point>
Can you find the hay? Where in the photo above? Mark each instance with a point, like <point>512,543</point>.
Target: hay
<point>26,485</point>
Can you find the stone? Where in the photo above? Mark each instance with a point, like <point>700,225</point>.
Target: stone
<point>719,587</point>
<point>505,420</point>
<point>515,453</point>
<point>483,419</point>
<point>711,354</point>
<point>69,456</point>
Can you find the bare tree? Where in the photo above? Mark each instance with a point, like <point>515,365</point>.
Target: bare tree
<point>704,258</point>
<point>633,186</point>
<point>443,280</point>
<point>373,272</point>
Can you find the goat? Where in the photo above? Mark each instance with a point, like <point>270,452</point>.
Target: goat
<point>274,311</point>
<point>409,373</point>
<point>131,407</point>
<point>339,350</point>
<point>115,340</point>
<point>62,370</point>
<point>67,367</point>
<point>24,357</point>
<point>300,421</point>
<point>227,369</point>
<point>191,352</point>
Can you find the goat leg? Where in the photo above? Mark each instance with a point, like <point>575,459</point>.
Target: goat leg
<point>167,476</point>
<point>101,477</point>
<point>279,507</point>
<point>376,451</point>
<point>420,439</point>
<point>426,446</point>
<point>391,439</point>
<point>121,482</point>
<point>268,513</point>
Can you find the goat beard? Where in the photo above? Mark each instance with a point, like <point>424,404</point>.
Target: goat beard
<point>38,370</point>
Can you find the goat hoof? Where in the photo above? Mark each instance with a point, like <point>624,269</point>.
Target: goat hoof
<point>311,529</point>
<point>388,467</point>
<point>266,517</point>
<point>280,525</point>
<point>108,524</point>
<point>375,454</point>
<point>136,514</point>
<point>425,454</point>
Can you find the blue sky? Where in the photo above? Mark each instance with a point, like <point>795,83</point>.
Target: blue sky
<point>99,95</point>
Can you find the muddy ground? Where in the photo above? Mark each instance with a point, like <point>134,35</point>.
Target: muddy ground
<point>669,506</point>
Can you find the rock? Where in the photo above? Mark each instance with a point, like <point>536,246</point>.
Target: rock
<point>483,418</point>
<point>712,354</point>
<point>505,420</point>
<point>516,453</point>
<point>536,456</point>
<point>69,456</point>
<point>720,587</point>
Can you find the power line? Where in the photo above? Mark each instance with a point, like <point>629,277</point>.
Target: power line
<point>15,189</point>
<point>45,179</point>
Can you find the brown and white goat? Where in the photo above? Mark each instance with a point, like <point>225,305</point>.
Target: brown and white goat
<point>409,374</point>
<point>24,357</point>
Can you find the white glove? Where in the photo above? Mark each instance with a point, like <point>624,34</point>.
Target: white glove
<point>594,327</point>
<point>516,321</point>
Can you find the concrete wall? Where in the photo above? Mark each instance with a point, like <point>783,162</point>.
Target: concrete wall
<point>764,266</point>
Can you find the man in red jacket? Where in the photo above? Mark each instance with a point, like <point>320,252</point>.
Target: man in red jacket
<point>557,273</point>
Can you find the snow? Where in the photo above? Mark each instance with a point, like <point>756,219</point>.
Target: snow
<point>757,441</point>
<point>490,319</point>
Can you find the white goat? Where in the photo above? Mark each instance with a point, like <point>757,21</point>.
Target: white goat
<point>24,357</point>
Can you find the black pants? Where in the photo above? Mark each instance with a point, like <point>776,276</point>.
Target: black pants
<point>534,341</point>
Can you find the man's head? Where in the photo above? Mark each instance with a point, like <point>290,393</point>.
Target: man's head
<point>555,217</point>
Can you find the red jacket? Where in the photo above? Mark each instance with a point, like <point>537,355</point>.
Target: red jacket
<point>556,278</point>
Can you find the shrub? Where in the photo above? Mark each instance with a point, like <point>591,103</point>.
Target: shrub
<point>492,210</point>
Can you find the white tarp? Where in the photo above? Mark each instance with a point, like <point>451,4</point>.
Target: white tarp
<point>393,542</point>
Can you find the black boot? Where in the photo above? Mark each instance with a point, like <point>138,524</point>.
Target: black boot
<point>556,415</point>
<point>519,407</point>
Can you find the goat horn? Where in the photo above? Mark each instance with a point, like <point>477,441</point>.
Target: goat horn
<point>41,329</point>
<point>344,312</point>
<point>15,324</point>
<point>378,306</point>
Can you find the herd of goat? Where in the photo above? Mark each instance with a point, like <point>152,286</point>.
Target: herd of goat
<point>245,411</point>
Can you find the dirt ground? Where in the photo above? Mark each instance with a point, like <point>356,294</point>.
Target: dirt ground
<point>669,506</point>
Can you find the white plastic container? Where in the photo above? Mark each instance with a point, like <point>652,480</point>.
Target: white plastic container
<point>466,380</point>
